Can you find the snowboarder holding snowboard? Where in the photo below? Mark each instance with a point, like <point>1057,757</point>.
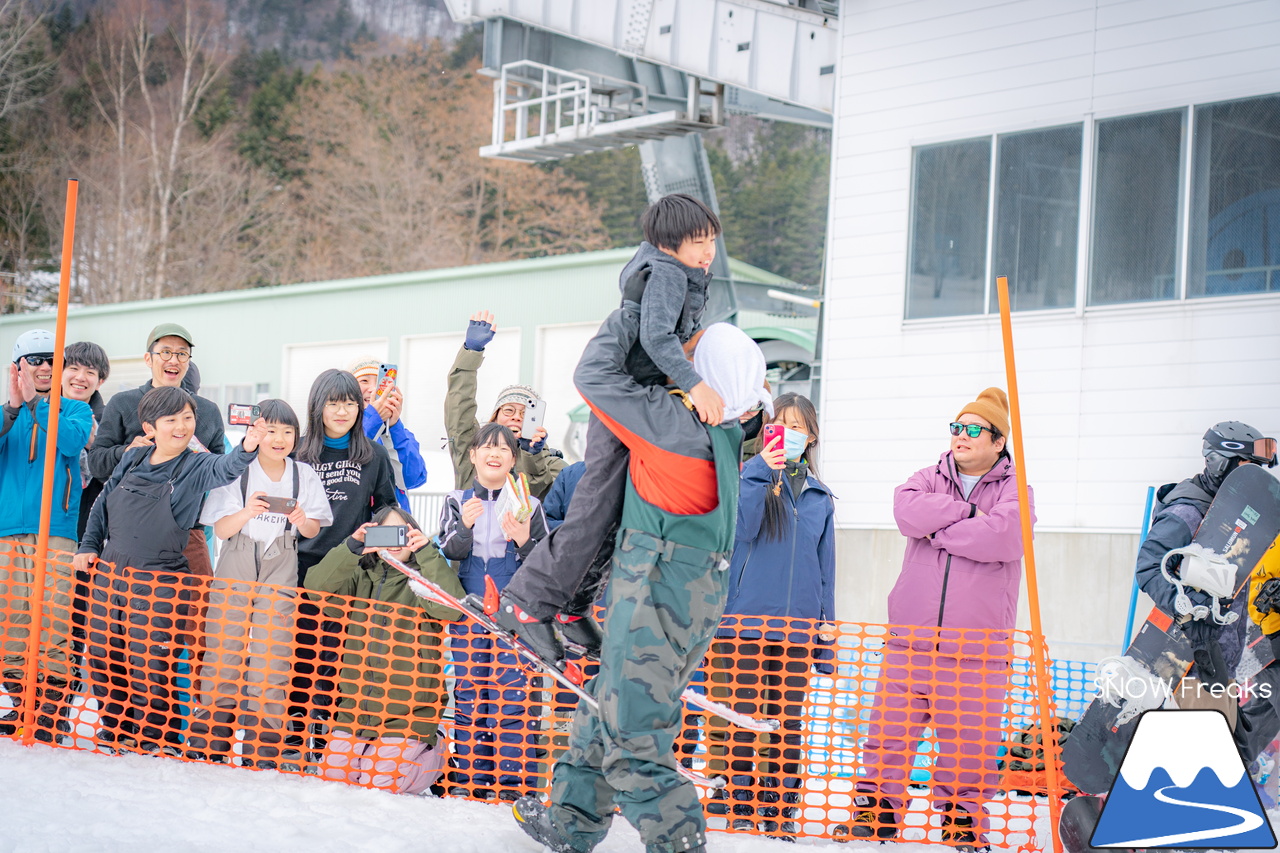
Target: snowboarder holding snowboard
<point>1181,508</point>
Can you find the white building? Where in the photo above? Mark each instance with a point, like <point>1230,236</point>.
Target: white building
<point>1120,163</point>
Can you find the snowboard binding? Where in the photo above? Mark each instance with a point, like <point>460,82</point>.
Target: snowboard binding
<point>1201,569</point>
<point>1126,684</point>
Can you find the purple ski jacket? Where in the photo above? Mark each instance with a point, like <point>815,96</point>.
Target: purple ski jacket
<point>960,570</point>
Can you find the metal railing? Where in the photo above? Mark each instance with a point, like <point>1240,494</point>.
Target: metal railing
<point>532,100</point>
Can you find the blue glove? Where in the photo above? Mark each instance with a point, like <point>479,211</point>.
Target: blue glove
<point>534,447</point>
<point>479,333</point>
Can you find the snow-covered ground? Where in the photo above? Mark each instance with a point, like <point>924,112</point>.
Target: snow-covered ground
<point>58,800</point>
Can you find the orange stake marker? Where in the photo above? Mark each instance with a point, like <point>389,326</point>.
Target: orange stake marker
<point>50,459</point>
<point>1038,652</point>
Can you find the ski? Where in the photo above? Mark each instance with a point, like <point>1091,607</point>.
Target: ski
<point>571,677</point>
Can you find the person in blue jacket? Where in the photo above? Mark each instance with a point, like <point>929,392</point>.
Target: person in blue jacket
<point>783,569</point>
<point>556,503</point>
<point>382,421</point>
<point>23,437</point>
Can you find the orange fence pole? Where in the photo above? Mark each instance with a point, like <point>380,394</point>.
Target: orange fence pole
<point>50,458</point>
<point>1039,657</point>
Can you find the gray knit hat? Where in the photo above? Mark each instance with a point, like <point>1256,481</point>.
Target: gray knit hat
<point>522,394</point>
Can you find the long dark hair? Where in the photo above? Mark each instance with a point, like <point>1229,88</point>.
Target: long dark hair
<point>334,386</point>
<point>368,561</point>
<point>775,523</point>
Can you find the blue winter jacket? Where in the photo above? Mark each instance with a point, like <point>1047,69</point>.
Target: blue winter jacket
<point>793,576</point>
<point>407,468</point>
<point>556,503</point>
<point>22,468</point>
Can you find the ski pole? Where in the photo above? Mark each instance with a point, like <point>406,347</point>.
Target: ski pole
<point>1133,595</point>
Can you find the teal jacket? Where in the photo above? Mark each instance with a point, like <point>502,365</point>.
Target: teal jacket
<point>22,447</point>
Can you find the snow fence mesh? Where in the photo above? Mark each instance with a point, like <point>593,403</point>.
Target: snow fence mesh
<point>918,734</point>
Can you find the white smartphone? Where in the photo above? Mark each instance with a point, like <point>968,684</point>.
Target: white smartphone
<point>535,417</point>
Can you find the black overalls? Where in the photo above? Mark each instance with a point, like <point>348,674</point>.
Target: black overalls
<point>141,613</point>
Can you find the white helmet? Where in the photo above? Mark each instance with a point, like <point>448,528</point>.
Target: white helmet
<point>34,342</point>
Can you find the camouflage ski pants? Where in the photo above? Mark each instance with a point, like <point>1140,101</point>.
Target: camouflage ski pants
<point>665,601</point>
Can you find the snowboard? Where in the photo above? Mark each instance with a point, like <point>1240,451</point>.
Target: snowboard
<point>569,677</point>
<point>1078,821</point>
<point>1242,522</point>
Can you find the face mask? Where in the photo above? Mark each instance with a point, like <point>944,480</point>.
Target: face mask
<point>794,443</point>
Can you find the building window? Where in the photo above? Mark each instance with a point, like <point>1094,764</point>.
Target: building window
<point>1135,208</point>
<point>949,230</point>
<point>1038,217</point>
<point>1235,199</point>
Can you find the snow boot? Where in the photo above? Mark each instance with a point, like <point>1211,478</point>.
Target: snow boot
<point>10,707</point>
<point>581,632</point>
<point>535,819</point>
<point>873,818</point>
<point>958,830</point>
<point>539,636</point>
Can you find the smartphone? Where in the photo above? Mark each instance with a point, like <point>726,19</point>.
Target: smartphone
<point>386,380</point>
<point>386,536</point>
<point>242,414</point>
<point>283,506</point>
<point>769,433</point>
<point>535,417</point>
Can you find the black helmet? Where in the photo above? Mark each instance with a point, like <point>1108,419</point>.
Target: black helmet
<point>1232,440</point>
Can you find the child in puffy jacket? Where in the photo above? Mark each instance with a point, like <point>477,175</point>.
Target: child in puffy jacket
<point>484,541</point>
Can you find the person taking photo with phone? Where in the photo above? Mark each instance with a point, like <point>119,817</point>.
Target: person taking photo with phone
<point>391,670</point>
<point>783,569</point>
<point>539,463</point>
<point>258,518</point>
<point>383,405</point>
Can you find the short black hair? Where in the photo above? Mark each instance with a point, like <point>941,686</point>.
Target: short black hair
<point>494,434</point>
<point>276,411</point>
<point>88,354</point>
<point>162,402</point>
<point>672,219</point>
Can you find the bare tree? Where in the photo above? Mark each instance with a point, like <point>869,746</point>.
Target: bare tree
<point>22,61</point>
<point>171,108</point>
<point>394,182</point>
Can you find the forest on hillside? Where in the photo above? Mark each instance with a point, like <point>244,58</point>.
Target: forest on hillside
<point>245,143</point>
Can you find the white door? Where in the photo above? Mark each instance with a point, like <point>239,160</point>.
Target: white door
<point>304,362</point>
<point>424,375</point>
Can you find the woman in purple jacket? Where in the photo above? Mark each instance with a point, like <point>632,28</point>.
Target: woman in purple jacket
<point>961,570</point>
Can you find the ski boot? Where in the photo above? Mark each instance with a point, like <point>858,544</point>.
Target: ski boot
<point>958,830</point>
<point>580,632</point>
<point>535,819</point>
<point>873,818</point>
<point>10,707</point>
<point>539,636</point>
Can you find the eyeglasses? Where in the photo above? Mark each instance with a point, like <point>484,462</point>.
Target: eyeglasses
<point>341,406</point>
<point>166,354</point>
<point>511,411</point>
<point>37,360</point>
<point>972,429</point>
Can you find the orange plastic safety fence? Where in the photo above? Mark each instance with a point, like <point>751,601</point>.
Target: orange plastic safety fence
<point>917,734</point>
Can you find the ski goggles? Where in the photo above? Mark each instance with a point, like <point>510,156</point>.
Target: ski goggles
<point>973,430</point>
<point>1260,450</point>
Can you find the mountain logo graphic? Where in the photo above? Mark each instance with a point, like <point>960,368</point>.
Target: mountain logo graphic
<point>1182,784</point>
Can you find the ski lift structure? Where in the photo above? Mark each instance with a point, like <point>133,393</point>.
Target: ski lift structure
<point>577,76</point>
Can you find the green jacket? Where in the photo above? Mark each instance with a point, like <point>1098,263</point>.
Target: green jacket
<point>390,674</point>
<point>460,423</point>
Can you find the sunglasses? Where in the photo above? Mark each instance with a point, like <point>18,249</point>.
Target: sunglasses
<point>972,429</point>
<point>37,360</point>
